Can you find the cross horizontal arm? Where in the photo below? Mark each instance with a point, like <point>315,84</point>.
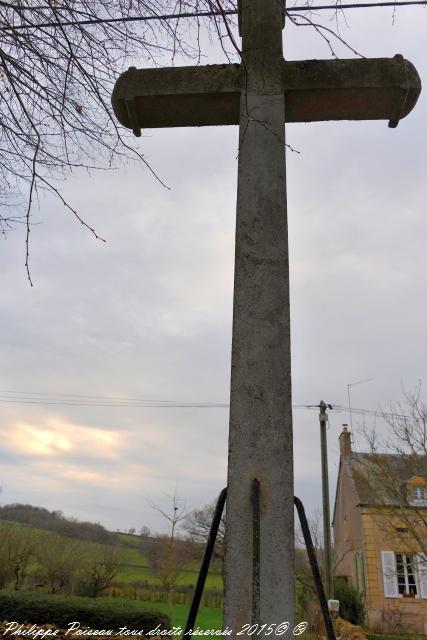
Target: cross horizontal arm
<point>360,89</point>
<point>356,89</point>
<point>178,97</point>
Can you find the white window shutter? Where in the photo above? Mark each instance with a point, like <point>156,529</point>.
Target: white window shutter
<point>389,574</point>
<point>422,573</point>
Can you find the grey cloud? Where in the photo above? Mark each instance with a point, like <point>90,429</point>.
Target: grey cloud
<point>148,314</point>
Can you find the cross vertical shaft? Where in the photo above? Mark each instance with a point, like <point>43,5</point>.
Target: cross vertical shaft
<point>260,440</point>
<point>259,571</point>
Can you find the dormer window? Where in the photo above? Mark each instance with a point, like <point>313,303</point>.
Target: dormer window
<point>419,493</point>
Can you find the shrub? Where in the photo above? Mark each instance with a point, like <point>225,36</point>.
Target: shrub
<point>352,607</point>
<point>58,610</point>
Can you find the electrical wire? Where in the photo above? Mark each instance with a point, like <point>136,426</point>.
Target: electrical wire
<point>85,397</point>
<point>87,400</point>
<point>75,400</point>
<point>72,399</point>
<point>207,14</point>
<point>369,412</point>
<point>38,398</point>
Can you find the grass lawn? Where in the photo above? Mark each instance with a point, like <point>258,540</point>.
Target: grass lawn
<point>208,618</point>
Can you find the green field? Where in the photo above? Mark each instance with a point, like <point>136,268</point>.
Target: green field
<point>134,573</point>
<point>134,565</point>
<point>129,539</point>
<point>134,568</point>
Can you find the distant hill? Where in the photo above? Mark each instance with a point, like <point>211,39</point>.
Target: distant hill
<point>55,521</point>
<point>134,572</point>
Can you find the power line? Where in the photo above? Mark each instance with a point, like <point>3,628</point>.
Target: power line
<point>114,404</point>
<point>357,5</point>
<point>87,400</point>
<point>140,405</point>
<point>101,401</point>
<point>368,412</point>
<point>86,397</point>
<point>70,399</point>
<point>208,14</point>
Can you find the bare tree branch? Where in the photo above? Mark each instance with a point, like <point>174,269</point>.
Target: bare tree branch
<point>56,83</point>
<point>397,459</point>
<point>57,75</point>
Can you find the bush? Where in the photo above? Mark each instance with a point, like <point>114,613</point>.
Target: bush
<point>352,607</point>
<point>38,608</point>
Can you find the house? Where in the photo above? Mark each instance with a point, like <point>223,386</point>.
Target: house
<point>380,534</point>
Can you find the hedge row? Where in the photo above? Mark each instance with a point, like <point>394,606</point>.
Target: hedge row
<point>39,608</point>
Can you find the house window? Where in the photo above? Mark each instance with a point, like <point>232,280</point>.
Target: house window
<point>405,572</point>
<point>419,493</point>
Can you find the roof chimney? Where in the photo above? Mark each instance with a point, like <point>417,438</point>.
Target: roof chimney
<point>345,442</point>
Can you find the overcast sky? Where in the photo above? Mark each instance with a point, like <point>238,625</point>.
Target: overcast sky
<point>148,314</point>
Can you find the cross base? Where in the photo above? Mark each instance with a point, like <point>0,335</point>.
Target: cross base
<point>210,544</point>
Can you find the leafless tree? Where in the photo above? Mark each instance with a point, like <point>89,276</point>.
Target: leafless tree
<point>59,60</point>
<point>397,455</point>
<point>18,547</point>
<point>302,566</point>
<point>197,526</point>
<point>100,566</point>
<point>6,571</point>
<point>168,553</point>
<point>58,558</point>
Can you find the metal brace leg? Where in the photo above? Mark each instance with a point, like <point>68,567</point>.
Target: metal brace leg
<point>204,567</point>
<point>330,632</point>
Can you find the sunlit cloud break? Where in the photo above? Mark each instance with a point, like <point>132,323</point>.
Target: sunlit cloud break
<point>55,436</point>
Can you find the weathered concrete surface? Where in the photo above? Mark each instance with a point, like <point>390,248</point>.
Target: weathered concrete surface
<point>260,436</point>
<point>179,96</point>
<point>365,89</point>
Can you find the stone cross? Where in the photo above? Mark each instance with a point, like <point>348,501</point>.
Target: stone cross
<point>259,95</point>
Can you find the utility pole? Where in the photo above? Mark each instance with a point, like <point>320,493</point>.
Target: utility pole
<point>329,585</point>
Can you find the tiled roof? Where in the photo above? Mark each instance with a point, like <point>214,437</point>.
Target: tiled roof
<point>382,478</point>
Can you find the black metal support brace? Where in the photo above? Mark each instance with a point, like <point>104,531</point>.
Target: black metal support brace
<point>330,632</point>
<point>204,567</point>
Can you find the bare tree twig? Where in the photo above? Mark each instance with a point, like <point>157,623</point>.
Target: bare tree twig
<point>55,89</point>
